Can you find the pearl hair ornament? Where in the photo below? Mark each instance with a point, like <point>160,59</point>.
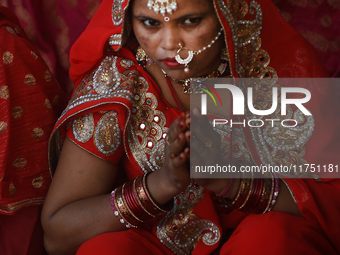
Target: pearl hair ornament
<point>191,53</point>
<point>162,6</point>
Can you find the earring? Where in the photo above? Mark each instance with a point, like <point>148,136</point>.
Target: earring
<point>224,54</point>
<point>142,57</point>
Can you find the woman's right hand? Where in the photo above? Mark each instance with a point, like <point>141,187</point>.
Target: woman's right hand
<point>174,175</point>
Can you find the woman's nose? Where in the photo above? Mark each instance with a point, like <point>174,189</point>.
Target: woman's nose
<point>170,39</point>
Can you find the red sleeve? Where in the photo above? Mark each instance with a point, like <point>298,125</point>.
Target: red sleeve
<point>100,133</point>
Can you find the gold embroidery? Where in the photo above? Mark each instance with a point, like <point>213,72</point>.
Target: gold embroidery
<point>127,63</point>
<point>38,182</point>
<point>19,163</point>
<point>181,230</point>
<point>12,188</point>
<point>17,112</point>
<point>30,80</point>
<point>117,13</point>
<point>56,100</point>
<point>7,57</point>
<point>86,91</point>
<point>10,208</point>
<point>274,145</point>
<point>108,134</point>
<point>240,151</point>
<point>3,127</point>
<point>148,128</point>
<point>37,133</point>
<point>83,128</point>
<point>48,76</point>
<point>34,55</point>
<point>48,104</point>
<point>107,79</point>
<point>115,39</point>
<point>17,29</point>
<point>4,92</point>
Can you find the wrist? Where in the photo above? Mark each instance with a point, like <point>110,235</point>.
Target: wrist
<point>160,188</point>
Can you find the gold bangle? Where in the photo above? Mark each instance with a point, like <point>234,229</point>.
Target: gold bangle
<point>248,195</point>
<point>148,195</point>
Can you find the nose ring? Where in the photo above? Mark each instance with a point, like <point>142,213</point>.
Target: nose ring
<point>185,61</point>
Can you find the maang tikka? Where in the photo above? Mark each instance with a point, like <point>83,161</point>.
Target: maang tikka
<point>163,6</point>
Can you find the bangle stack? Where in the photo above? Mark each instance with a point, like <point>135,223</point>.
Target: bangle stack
<point>133,205</point>
<point>255,195</point>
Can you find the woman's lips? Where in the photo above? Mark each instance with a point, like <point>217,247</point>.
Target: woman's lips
<point>171,62</point>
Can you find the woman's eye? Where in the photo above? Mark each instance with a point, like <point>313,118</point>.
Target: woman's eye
<point>191,21</point>
<point>150,23</point>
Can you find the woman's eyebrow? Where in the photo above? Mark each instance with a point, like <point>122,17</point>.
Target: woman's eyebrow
<point>143,17</point>
<point>193,14</point>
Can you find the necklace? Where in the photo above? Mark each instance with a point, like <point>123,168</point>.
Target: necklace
<point>186,89</point>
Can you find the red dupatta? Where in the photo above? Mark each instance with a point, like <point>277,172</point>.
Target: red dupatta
<point>30,102</point>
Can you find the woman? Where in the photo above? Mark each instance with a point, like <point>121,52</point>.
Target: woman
<point>125,119</point>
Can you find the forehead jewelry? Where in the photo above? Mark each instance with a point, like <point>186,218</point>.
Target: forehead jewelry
<point>162,6</point>
<point>191,53</point>
<point>167,19</point>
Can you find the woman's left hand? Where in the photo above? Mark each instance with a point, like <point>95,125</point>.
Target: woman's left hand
<point>205,150</point>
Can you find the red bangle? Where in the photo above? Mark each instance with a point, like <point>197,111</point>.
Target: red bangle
<point>227,189</point>
<point>265,195</point>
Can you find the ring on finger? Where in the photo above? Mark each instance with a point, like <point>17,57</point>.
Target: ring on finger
<point>167,139</point>
<point>208,143</point>
<point>173,155</point>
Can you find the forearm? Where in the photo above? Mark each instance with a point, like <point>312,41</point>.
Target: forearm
<point>78,222</point>
<point>285,202</point>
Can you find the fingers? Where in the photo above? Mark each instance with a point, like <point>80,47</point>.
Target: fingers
<point>177,127</point>
<point>205,143</point>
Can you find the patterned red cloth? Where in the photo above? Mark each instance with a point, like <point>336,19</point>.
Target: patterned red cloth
<point>319,22</point>
<point>30,102</point>
<point>53,26</point>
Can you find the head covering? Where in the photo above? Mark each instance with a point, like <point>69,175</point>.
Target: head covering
<point>257,44</point>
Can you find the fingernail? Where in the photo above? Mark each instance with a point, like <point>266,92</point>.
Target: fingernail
<point>182,116</point>
<point>180,156</point>
<point>181,124</point>
<point>188,115</point>
<point>187,151</point>
<point>188,122</point>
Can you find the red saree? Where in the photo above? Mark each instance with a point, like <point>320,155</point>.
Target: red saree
<point>140,117</point>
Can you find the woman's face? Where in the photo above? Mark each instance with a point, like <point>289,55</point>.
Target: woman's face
<point>193,25</point>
